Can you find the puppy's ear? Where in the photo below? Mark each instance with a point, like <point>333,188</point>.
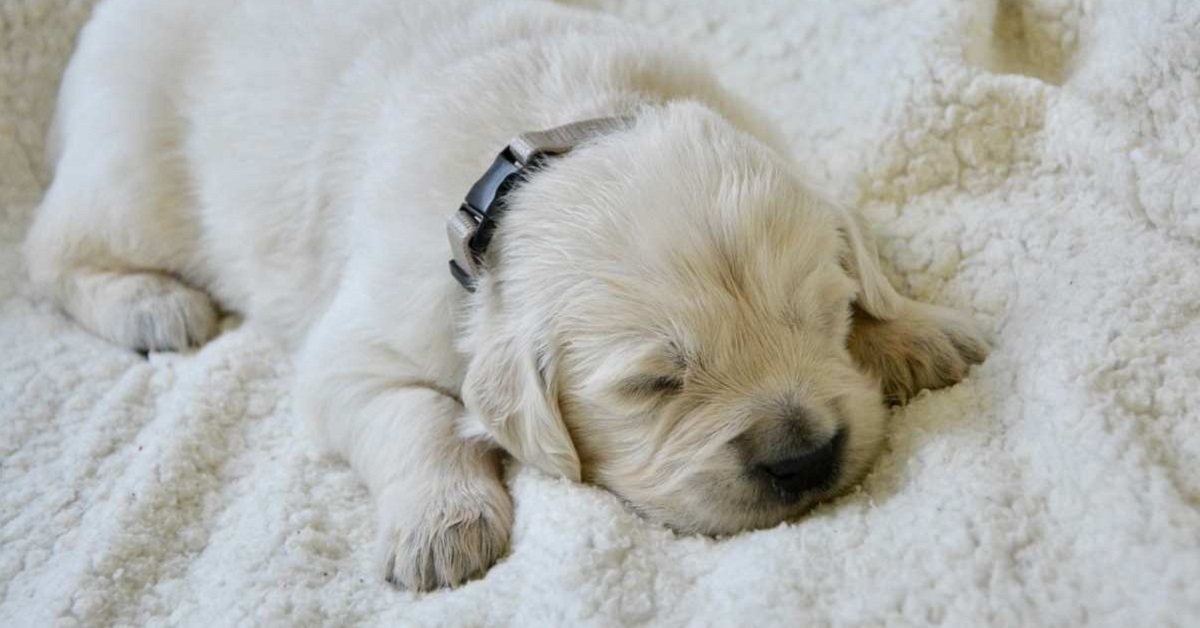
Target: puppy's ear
<point>876,296</point>
<point>513,388</point>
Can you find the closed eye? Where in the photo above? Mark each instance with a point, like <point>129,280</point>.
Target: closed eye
<point>650,385</point>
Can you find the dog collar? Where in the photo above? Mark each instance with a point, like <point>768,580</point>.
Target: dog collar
<point>470,228</point>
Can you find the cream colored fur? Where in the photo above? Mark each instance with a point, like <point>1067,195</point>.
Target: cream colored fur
<point>295,164</point>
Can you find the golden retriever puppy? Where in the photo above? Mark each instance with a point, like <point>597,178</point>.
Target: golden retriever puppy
<point>664,307</point>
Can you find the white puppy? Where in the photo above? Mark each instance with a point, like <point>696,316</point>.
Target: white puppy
<point>668,310</point>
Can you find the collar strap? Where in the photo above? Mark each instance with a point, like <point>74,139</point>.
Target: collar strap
<point>470,228</point>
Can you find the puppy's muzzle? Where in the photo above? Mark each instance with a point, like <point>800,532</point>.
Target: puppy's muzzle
<point>811,469</point>
<point>794,453</point>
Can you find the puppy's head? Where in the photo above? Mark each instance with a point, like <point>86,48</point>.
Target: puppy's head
<point>666,315</point>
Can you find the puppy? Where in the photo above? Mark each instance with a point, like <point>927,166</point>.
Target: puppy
<point>665,308</point>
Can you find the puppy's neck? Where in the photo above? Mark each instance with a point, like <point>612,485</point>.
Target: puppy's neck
<point>470,228</point>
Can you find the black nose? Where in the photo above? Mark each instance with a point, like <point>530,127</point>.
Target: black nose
<point>815,469</point>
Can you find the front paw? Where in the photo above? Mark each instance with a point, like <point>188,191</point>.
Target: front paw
<point>446,538</point>
<point>925,347</point>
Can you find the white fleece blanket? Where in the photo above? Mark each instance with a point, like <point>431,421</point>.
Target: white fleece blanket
<point>1037,164</point>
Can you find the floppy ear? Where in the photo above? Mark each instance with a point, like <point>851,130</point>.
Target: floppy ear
<point>876,296</point>
<point>512,387</point>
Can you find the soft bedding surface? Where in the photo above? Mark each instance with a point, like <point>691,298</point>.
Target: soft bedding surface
<point>1036,162</point>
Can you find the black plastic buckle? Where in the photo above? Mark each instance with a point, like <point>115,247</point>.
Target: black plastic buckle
<point>485,203</point>
<point>461,275</point>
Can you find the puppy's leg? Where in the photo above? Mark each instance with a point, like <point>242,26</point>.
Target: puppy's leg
<point>444,518</point>
<point>116,230</point>
<point>922,346</point>
<point>106,265</point>
<point>444,514</point>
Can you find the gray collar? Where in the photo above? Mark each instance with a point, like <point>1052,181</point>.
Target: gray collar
<point>470,228</point>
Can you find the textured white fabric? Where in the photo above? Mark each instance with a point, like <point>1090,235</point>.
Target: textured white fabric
<point>1037,164</point>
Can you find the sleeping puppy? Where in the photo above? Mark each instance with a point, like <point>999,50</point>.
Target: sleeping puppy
<point>664,307</point>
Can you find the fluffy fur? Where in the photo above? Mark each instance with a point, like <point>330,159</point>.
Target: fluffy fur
<point>667,308</point>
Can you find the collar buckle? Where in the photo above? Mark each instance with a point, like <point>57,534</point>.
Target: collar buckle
<point>470,228</point>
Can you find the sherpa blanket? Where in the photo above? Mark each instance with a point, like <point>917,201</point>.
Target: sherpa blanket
<point>1035,162</point>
